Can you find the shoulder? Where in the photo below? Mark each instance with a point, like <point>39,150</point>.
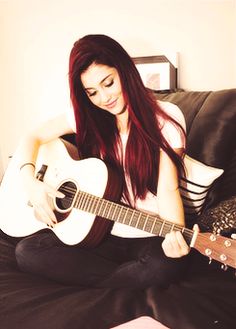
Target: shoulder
<point>173,111</point>
<point>171,131</point>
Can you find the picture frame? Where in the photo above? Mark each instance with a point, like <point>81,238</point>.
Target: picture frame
<point>157,72</point>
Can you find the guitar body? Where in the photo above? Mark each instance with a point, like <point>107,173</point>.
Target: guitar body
<point>74,225</point>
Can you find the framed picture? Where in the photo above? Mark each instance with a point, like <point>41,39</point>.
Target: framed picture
<point>157,72</point>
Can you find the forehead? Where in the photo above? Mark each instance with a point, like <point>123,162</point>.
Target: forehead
<point>95,74</point>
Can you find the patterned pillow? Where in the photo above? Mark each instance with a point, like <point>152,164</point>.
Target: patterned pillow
<point>194,187</point>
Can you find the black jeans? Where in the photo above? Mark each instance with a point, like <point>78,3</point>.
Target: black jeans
<point>116,262</point>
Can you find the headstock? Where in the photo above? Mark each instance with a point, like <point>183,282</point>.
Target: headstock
<point>217,247</point>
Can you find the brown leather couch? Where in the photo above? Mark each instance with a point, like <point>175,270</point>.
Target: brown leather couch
<point>204,299</point>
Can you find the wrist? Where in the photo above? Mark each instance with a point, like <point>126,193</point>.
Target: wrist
<point>32,164</point>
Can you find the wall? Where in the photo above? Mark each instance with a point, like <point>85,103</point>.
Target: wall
<point>37,35</point>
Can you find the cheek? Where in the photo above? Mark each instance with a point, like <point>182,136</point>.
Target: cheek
<point>94,100</point>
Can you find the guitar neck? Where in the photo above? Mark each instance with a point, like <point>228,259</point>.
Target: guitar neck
<point>128,216</point>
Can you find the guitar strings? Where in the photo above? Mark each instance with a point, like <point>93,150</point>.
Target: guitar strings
<point>168,225</point>
<point>96,205</point>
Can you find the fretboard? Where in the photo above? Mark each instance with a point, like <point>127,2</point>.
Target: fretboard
<point>128,216</point>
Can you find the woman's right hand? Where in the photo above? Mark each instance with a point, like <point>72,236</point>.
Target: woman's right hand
<point>37,191</point>
<point>39,194</point>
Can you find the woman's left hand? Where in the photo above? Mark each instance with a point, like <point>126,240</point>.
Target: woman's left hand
<point>174,245</point>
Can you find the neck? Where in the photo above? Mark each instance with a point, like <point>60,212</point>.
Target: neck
<point>122,120</point>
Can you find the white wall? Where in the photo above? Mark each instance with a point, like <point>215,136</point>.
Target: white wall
<point>36,37</point>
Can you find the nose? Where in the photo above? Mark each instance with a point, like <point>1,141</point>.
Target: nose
<point>105,96</point>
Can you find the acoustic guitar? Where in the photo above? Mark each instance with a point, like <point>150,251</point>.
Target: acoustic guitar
<point>90,206</point>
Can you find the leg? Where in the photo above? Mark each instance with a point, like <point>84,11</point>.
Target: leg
<point>149,266</point>
<point>117,262</point>
<point>43,254</point>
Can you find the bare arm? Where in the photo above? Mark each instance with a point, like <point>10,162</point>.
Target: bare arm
<point>170,206</point>
<point>46,132</point>
<point>28,150</point>
<point>169,201</point>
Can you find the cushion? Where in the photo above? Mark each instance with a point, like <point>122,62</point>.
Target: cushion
<point>211,134</point>
<point>196,184</point>
<point>140,323</point>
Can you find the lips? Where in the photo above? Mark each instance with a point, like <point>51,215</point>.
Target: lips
<point>112,104</point>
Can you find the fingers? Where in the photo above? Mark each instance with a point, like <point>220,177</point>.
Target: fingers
<point>45,215</point>
<point>174,245</point>
<point>40,194</point>
<point>54,193</point>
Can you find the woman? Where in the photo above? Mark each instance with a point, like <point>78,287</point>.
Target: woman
<point>118,120</point>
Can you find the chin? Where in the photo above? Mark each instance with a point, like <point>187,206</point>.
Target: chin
<point>121,110</point>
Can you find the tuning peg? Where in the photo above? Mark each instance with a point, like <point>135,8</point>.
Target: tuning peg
<point>224,267</point>
<point>233,236</point>
<point>210,260</point>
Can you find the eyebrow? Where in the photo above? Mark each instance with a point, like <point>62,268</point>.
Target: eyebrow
<point>100,82</point>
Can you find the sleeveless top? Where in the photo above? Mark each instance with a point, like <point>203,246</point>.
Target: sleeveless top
<point>150,203</point>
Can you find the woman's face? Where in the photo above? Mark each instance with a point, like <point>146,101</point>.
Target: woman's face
<point>103,87</point>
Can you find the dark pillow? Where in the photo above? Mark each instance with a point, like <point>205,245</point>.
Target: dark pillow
<point>190,102</point>
<point>211,134</point>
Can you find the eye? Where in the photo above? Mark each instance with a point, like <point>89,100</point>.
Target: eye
<point>109,84</point>
<point>91,94</point>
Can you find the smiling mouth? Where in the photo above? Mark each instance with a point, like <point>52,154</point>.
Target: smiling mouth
<point>112,104</point>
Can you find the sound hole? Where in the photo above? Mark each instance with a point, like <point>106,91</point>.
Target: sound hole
<point>69,189</point>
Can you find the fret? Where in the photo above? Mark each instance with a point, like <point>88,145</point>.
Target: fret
<point>167,227</point>
<point>172,227</point>
<point>126,219</point>
<point>76,201</point>
<point>162,227</point>
<point>81,201</point>
<point>116,214</point>
<point>92,204</point>
<point>101,209</point>
<point>110,209</point>
<point>148,224</point>
<point>86,202</point>
<point>188,235</point>
<point>153,219</point>
<point>122,215</point>
<point>97,206</point>
<point>89,203</point>
<point>142,218</point>
<point>134,219</point>
<point>106,211</point>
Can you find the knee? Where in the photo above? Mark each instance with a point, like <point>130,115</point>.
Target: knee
<point>24,252</point>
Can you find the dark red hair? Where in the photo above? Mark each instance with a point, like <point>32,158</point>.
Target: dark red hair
<point>97,133</point>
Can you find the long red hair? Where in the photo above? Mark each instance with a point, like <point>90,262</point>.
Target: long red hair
<point>97,132</point>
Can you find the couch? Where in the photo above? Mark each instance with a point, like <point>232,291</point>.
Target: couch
<point>205,297</point>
